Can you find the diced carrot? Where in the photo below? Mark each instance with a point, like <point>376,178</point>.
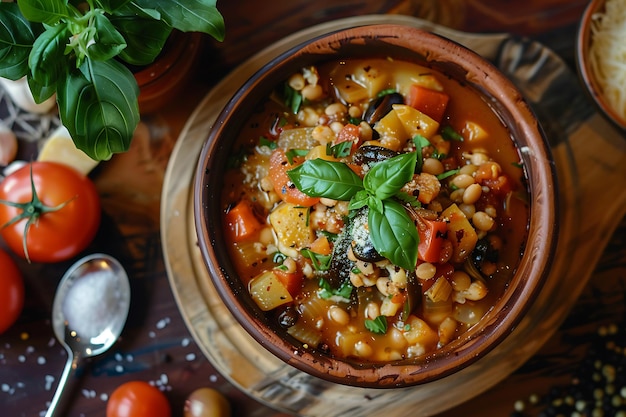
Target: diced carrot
<point>432,234</point>
<point>321,246</point>
<point>430,102</point>
<point>349,133</point>
<point>291,280</point>
<point>286,190</point>
<point>242,222</point>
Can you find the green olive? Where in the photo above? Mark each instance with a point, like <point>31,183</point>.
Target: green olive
<point>207,402</point>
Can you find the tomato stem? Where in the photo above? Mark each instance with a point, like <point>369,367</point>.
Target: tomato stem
<point>31,210</point>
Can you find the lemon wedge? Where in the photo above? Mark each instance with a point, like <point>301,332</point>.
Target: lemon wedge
<point>59,147</point>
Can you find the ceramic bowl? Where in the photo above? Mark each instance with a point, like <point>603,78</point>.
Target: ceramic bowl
<point>400,42</point>
<point>595,9</point>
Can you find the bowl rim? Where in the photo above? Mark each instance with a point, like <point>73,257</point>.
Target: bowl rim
<point>513,303</point>
<point>585,72</point>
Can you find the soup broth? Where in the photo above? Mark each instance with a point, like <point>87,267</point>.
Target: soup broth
<point>375,208</point>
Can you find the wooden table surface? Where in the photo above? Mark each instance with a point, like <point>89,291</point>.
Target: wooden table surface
<point>156,346</point>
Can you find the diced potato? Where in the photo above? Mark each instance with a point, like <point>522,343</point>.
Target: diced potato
<point>298,138</point>
<point>391,126</point>
<point>268,292</point>
<point>419,332</point>
<point>415,122</point>
<point>293,231</point>
<point>460,233</point>
<point>249,252</point>
<point>350,91</point>
<point>319,152</point>
<point>373,78</point>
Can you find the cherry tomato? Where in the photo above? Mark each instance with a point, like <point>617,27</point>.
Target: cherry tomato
<point>138,399</point>
<point>207,402</point>
<point>65,211</point>
<point>11,292</point>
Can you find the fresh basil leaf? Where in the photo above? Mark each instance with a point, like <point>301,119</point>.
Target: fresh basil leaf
<point>189,15</point>
<point>41,92</point>
<point>386,178</point>
<point>330,179</point>
<point>108,42</point>
<point>111,5</point>
<point>145,38</point>
<point>98,105</point>
<point>16,40</point>
<point>448,133</point>
<point>359,200</point>
<point>394,235</point>
<point>320,262</point>
<point>47,59</point>
<point>47,12</point>
<point>374,203</point>
<point>378,325</point>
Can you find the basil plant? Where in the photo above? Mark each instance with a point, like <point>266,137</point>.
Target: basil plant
<point>78,49</point>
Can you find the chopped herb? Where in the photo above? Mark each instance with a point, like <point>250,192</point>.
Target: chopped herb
<point>448,133</point>
<point>518,164</point>
<point>378,325</point>
<point>282,268</point>
<point>320,262</point>
<point>356,271</point>
<point>293,99</point>
<point>263,141</point>
<point>329,235</point>
<point>447,174</point>
<point>292,153</point>
<point>386,92</point>
<point>355,120</point>
<point>340,150</point>
<point>279,257</point>
<point>420,142</point>
<point>326,291</point>
<point>407,327</point>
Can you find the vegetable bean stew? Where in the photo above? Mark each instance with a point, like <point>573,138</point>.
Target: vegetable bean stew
<point>375,208</point>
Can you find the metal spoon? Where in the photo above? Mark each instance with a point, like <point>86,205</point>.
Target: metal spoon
<point>88,314</point>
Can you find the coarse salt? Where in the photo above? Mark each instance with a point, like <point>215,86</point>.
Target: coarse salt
<point>91,304</point>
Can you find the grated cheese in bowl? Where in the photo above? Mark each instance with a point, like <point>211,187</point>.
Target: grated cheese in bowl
<point>607,53</point>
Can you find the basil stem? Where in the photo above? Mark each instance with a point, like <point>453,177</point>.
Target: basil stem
<point>329,179</point>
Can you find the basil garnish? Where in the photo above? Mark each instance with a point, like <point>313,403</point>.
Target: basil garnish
<point>393,233</point>
<point>378,325</point>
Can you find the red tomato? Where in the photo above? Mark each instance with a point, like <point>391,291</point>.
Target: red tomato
<point>11,292</point>
<point>138,399</point>
<point>55,234</point>
<point>279,165</point>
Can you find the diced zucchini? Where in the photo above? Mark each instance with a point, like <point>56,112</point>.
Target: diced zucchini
<point>268,292</point>
<point>293,231</point>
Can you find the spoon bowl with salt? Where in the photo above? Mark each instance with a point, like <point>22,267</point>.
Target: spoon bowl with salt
<point>88,314</point>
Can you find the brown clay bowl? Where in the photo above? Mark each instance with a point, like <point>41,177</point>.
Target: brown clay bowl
<point>586,72</point>
<point>453,60</point>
